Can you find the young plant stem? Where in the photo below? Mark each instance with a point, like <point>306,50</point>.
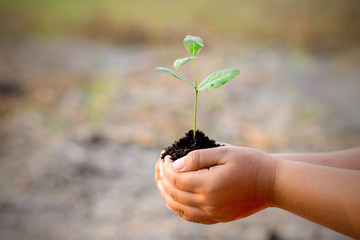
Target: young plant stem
<point>196,95</point>
<point>214,80</point>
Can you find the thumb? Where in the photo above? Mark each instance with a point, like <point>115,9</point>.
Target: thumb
<point>198,159</point>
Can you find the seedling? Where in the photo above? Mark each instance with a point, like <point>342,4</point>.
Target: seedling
<point>214,80</point>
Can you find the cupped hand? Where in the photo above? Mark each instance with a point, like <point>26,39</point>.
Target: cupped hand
<point>217,184</point>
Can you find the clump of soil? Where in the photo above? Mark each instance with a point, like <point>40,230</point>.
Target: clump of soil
<point>187,144</point>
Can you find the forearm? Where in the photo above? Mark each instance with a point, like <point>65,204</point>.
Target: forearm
<point>347,159</point>
<point>325,195</point>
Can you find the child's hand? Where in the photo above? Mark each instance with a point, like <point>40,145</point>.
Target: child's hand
<point>218,184</point>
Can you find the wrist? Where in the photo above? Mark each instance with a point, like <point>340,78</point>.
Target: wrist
<point>265,180</point>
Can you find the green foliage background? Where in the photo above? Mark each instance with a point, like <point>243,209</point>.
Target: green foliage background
<point>321,24</point>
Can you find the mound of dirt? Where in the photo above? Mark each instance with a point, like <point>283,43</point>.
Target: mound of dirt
<point>187,144</point>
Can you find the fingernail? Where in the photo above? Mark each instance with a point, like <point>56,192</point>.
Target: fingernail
<point>167,159</point>
<point>179,164</point>
<point>159,184</point>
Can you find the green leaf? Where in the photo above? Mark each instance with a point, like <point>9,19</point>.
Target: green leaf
<point>175,74</point>
<point>193,44</point>
<point>218,79</point>
<point>179,62</point>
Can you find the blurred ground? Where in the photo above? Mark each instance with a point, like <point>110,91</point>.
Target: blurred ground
<point>83,116</point>
<point>82,126</point>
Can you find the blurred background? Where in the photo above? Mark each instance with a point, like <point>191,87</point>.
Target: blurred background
<point>83,116</point>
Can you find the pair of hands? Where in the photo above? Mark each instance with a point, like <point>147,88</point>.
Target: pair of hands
<point>217,184</point>
<point>227,183</point>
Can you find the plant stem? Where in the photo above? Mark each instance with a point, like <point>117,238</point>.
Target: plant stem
<point>196,95</point>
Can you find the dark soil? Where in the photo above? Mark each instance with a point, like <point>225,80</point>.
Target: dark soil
<point>187,144</point>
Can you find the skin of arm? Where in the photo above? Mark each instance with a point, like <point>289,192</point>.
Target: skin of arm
<point>326,195</point>
<point>347,159</point>
<point>228,183</point>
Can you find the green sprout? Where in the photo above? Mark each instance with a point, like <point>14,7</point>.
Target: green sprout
<point>214,80</point>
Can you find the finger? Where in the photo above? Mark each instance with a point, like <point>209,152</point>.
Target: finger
<point>189,213</point>
<point>187,181</point>
<point>157,166</point>
<point>196,220</point>
<point>183,197</point>
<point>199,159</point>
<point>157,173</point>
